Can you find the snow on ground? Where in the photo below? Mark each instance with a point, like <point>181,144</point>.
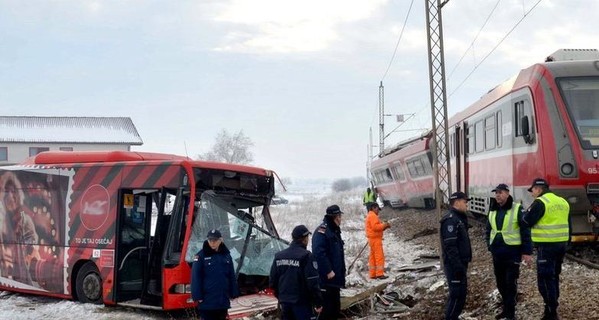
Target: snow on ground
<point>307,206</point>
<point>20,307</point>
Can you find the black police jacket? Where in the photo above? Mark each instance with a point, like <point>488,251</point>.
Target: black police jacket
<point>327,246</point>
<point>294,278</point>
<point>213,278</point>
<point>457,252</point>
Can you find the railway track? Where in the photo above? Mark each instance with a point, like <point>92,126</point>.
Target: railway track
<point>587,255</point>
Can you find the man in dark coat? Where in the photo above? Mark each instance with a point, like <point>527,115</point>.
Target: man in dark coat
<point>213,282</point>
<point>294,278</point>
<point>509,243</point>
<point>327,246</point>
<point>457,253</point>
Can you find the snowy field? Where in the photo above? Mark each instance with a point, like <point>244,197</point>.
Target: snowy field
<point>307,205</point>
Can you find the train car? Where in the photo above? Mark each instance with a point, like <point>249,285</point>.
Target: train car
<point>543,122</point>
<point>404,176</point>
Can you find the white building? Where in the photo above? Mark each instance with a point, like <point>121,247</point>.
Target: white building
<point>22,137</point>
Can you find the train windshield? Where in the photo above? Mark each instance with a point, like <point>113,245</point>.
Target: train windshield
<point>581,96</point>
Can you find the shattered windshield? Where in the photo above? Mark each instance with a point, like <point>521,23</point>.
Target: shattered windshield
<point>251,246</point>
<point>581,96</point>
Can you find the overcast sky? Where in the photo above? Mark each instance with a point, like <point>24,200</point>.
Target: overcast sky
<point>299,77</point>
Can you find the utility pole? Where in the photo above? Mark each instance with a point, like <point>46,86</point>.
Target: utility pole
<point>436,68</point>
<point>369,156</point>
<point>381,120</point>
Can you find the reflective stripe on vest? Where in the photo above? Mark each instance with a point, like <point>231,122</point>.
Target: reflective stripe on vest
<point>510,230</point>
<point>553,226</point>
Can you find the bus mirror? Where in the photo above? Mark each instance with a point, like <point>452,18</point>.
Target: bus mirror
<point>526,130</point>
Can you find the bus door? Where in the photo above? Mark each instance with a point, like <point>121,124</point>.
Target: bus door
<point>133,242</point>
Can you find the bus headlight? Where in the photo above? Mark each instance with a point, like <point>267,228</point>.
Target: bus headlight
<point>181,288</point>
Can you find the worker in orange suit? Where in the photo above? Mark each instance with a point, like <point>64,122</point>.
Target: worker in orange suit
<point>374,232</point>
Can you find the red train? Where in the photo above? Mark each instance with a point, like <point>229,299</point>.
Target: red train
<point>544,122</point>
<point>404,176</point>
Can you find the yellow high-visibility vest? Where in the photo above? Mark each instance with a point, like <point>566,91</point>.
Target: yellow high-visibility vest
<point>510,230</point>
<point>369,197</point>
<point>553,226</point>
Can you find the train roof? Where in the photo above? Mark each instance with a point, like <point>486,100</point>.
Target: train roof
<point>527,77</point>
<point>83,157</point>
<point>408,148</point>
<point>407,143</point>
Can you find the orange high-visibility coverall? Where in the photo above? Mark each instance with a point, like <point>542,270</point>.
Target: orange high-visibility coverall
<point>374,233</point>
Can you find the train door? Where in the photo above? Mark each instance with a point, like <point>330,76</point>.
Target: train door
<point>461,146</point>
<point>133,241</point>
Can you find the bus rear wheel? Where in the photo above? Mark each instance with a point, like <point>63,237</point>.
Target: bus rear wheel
<point>88,285</point>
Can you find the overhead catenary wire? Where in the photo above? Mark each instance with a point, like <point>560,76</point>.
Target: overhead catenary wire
<point>525,14</point>
<point>398,41</point>
<point>474,40</point>
<point>394,52</point>
<point>460,60</point>
<point>495,47</point>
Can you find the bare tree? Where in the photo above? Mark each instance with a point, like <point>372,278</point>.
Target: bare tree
<point>230,148</point>
<point>341,185</point>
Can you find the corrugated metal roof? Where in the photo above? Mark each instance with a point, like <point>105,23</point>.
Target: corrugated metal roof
<point>119,130</point>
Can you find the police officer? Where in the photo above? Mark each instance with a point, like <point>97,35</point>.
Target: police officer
<point>327,246</point>
<point>549,219</point>
<point>213,281</point>
<point>509,244</point>
<point>457,253</point>
<point>294,278</point>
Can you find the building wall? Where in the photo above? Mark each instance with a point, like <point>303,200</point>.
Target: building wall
<point>17,152</point>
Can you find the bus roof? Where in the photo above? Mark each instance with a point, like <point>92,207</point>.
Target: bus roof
<point>70,157</point>
<point>58,157</point>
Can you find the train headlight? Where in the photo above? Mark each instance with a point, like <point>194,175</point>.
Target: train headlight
<point>572,199</point>
<point>567,169</point>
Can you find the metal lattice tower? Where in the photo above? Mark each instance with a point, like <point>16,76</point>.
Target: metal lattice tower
<point>436,68</point>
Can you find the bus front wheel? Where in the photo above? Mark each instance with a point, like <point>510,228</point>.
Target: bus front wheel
<point>89,284</point>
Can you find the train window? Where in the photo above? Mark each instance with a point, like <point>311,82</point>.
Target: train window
<point>499,129</point>
<point>479,134</point>
<point>519,111</point>
<point>399,172</point>
<point>470,138</point>
<point>388,176</point>
<point>582,100</point>
<point>379,176</point>
<point>427,162</point>
<point>490,132</point>
<point>451,145</point>
<point>416,168</point>
<point>412,169</point>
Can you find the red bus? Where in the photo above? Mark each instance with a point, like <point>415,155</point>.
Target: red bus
<point>121,228</point>
<point>543,122</point>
